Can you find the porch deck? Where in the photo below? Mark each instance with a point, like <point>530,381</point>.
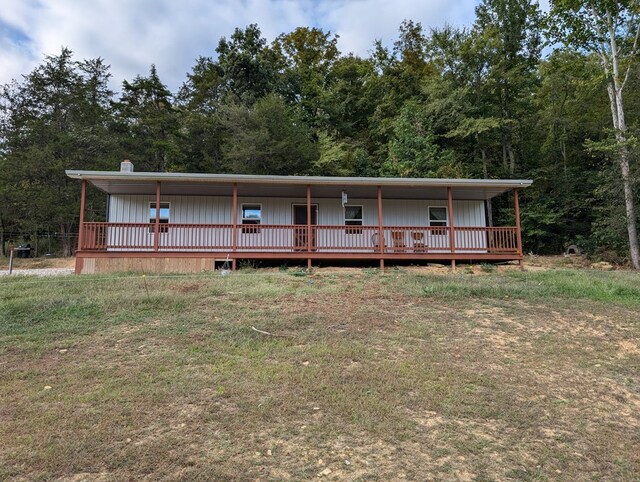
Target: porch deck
<point>289,217</point>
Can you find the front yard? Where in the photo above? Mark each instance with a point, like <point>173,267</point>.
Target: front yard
<point>362,376</point>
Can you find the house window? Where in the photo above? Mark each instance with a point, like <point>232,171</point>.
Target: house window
<point>353,217</point>
<point>251,214</point>
<point>165,209</point>
<point>438,218</point>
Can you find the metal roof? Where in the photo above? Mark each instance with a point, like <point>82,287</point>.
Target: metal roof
<point>178,183</point>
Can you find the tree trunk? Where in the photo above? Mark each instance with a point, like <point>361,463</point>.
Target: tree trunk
<point>634,249</point>
<point>620,127</point>
<point>615,85</point>
<point>621,137</point>
<point>66,240</point>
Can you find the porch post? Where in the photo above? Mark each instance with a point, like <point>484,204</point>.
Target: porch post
<point>516,205</point>
<point>83,193</point>
<point>308,224</point>
<point>452,234</point>
<point>234,234</point>
<point>380,231</point>
<point>157,228</point>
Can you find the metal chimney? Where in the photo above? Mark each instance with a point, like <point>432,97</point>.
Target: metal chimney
<point>126,166</point>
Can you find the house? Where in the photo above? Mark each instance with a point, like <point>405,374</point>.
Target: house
<point>164,222</point>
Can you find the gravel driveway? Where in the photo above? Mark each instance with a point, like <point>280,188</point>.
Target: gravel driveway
<point>38,272</point>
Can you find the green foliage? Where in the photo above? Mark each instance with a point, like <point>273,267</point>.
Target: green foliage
<point>56,119</point>
<point>268,138</point>
<point>308,55</point>
<point>413,151</point>
<point>247,65</point>
<point>335,159</point>
<point>148,123</point>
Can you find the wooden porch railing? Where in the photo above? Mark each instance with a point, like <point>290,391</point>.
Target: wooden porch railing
<point>295,238</point>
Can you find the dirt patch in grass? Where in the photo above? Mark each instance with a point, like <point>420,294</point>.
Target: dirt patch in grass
<point>401,375</point>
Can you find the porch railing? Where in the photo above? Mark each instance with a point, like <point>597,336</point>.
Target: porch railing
<point>295,238</point>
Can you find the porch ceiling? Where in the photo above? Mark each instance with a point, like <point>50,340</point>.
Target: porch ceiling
<point>295,186</point>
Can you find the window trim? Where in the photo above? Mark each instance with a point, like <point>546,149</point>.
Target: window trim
<point>353,228</point>
<point>245,229</point>
<point>438,230</point>
<point>152,220</point>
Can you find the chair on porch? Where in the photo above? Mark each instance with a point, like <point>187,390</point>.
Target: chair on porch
<point>375,240</point>
<point>419,246</point>
<point>399,243</point>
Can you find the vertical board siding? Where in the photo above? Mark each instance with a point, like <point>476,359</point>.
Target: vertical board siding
<point>278,211</point>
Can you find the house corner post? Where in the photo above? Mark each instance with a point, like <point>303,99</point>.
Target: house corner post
<point>516,206</point>
<point>452,233</point>
<point>156,229</point>
<point>309,225</point>
<point>83,195</point>
<point>380,229</point>
<point>234,234</point>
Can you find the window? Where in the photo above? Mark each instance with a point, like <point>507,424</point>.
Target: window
<point>438,217</point>
<point>353,217</point>
<point>165,208</point>
<point>251,214</point>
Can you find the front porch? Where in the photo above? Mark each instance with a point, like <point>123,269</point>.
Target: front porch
<point>290,217</point>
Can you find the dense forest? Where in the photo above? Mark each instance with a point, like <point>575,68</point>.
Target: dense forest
<point>553,97</point>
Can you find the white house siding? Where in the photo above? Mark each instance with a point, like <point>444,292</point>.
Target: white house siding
<point>278,211</point>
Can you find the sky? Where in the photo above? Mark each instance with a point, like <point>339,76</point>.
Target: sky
<point>130,35</point>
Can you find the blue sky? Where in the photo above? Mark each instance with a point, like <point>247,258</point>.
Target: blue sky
<point>132,34</point>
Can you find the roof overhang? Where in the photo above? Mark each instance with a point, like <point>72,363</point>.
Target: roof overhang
<point>175,183</point>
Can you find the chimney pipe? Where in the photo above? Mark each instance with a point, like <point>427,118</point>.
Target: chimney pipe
<point>126,166</point>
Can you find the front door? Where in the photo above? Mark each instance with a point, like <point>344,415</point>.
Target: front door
<point>300,228</point>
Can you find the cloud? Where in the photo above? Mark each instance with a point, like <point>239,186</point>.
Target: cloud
<point>132,34</point>
<point>360,22</point>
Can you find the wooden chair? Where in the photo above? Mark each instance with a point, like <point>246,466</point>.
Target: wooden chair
<point>375,240</point>
<point>419,246</point>
<point>398,241</point>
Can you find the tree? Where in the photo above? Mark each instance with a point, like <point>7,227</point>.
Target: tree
<point>56,118</point>
<point>268,138</point>
<point>148,123</point>
<point>611,30</point>
<point>570,106</point>
<point>413,151</point>
<point>308,55</point>
<point>249,67</point>
<point>199,102</point>
<point>349,101</point>
<point>510,34</point>
<point>335,157</point>
<point>401,73</point>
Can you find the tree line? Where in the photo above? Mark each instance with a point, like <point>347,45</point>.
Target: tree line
<point>519,94</point>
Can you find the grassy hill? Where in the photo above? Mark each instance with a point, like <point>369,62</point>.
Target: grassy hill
<point>351,374</point>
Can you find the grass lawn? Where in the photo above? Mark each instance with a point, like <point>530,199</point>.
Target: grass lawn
<point>365,376</point>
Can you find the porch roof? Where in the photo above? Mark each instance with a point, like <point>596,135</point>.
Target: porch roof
<point>177,183</point>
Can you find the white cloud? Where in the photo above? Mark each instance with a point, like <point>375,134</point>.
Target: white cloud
<point>132,34</point>
<point>360,22</point>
